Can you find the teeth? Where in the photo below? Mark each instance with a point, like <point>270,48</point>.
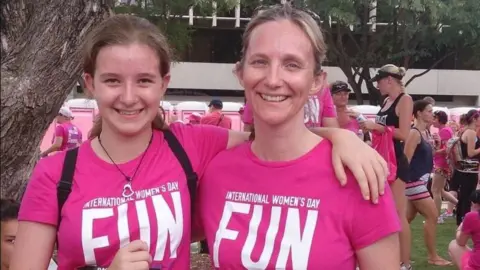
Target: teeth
<point>129,112</point>
<point>273,98</point>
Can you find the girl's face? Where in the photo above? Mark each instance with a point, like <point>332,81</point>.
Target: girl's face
<point>278,72</point>
<point>340,99</point>
<point>128,87</point>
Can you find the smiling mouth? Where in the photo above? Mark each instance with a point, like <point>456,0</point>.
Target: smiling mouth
<point>129,112</point>
<point>271,98</point>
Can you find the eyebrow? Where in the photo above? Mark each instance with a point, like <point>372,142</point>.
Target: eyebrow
<point>287,56</point>
<point>143,74</point>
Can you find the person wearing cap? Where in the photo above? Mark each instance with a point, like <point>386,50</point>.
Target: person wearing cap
<point>67,135</point>
<point>215,116</point>
<point>396,112</point>
<point>347,119</point>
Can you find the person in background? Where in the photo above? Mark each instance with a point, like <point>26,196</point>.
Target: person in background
<point>396,112</point>
<point>419,152</point>
<point>430,100</point>
<point>215,116</point>
<point>340,93</point>
<point>464,177</point>
<point>9,221</point>
<point>441,167</point>
<point>67,135</point>
<point>194,118</point>
<point>462,256</point>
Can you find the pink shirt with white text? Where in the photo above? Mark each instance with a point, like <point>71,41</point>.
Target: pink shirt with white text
<point>287,215</point>
<point>97,220</point>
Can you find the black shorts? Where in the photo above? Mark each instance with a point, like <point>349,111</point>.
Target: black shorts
<point>403,168</point>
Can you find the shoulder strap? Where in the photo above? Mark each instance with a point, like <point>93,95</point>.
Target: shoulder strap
<point>395,102</point>
<point>64,187</point>
<point>182,157</point>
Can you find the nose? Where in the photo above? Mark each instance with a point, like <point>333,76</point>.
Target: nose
<point>129,96</point>
<point>273,77</point>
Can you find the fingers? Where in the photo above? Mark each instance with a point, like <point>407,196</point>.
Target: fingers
<point>339,169</point>
<point>137,245</point>
<point>140,265</point>
<point>362,179</point>
<point>141,256</point>
<point>373,181</point>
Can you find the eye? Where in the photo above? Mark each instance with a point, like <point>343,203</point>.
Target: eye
<point>145,80</point>
<point>112,81</point>
<point>258,62</point>
<point>292,65</point>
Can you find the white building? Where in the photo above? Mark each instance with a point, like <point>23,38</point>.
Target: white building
<point>207,69</point>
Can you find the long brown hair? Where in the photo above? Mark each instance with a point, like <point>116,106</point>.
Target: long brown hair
<point>123,30</point>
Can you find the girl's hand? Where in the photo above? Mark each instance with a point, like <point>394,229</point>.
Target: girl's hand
<point>368,167</point>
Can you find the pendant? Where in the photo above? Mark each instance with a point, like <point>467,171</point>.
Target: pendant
<point>127,190</point>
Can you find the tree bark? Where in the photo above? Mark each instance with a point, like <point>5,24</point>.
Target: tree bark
<point>40,43</point>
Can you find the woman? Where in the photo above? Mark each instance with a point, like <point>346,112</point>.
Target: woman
<point>396,112</point>
<point>419,152</point>
<point>8,230</point>
<point>465,179</point>
<point>464,257</point>
<point>267,211</point>
<point>130,200</point>
<point>441,167</point>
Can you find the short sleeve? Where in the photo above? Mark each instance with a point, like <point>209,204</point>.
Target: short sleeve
<point>328,107</point>
<point>247,116</point>
<point>59,131</point>
<point>39,203</point>
<point>469,222</point>
<point>206,140</point>
<point>370,222</point>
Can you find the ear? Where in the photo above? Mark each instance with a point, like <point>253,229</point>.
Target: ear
<point>88,81</point>
<point>165,83</point>
<point>238,71</point>
<point>319,82</point>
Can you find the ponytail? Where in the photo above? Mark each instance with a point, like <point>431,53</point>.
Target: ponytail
<point>158,123</point>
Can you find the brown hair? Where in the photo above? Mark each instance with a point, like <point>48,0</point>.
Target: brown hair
<point>302,19</point>
<point>124,30</point>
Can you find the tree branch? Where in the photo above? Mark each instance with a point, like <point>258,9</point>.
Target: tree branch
<point>431,67</point>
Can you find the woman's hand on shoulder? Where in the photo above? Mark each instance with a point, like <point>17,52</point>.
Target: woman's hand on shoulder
<point>368,167</point>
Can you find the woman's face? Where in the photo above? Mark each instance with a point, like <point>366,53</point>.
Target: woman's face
<point>278,72</point>
<point>340,99</point>
<point>8,233</point>
<point>427,114</point>
<point>128,87</point>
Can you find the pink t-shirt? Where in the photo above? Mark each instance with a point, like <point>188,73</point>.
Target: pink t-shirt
<point>471,226</point>
<point>97,220</point>
<point>318,106</point>
<point>352,125</point>
<point>287,215</point>
<point>440,160</point>
<point>71,135</point>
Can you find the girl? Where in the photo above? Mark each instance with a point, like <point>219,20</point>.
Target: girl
<point>419,152</point>
<point>269,209</point>
<point>130,200</point>
<point>464,257</point>
<point>396,112</point>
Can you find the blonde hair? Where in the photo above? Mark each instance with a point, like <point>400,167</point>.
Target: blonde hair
<point>125,30</point>
<point>300,18</point>
<point>399,71</point>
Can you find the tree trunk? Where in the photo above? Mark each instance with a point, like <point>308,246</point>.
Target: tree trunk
<point>40,65</point>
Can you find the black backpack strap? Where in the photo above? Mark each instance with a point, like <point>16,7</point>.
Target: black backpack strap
<point>182,157</point>
<point>64,187</point>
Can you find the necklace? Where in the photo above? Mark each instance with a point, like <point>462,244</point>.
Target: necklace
<point>127,188</point>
